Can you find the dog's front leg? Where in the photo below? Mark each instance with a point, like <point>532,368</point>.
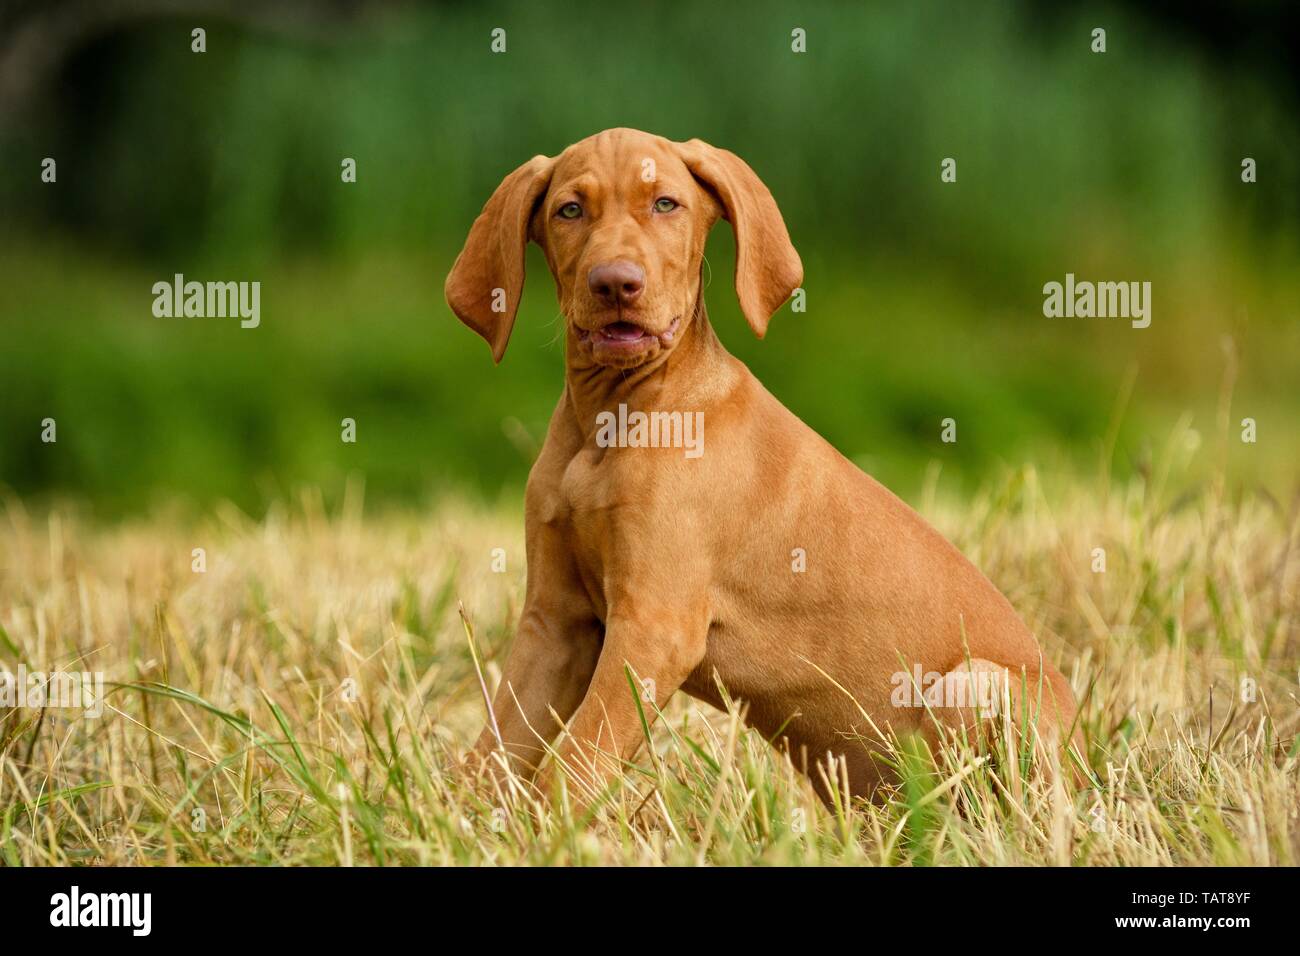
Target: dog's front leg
<point>555,648</point>
<point>661,648</point>
<point>545,675</point>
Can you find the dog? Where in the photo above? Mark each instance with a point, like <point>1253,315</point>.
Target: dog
<point>768,568</point>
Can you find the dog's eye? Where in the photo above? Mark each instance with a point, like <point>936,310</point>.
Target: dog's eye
<point>664,204</point>
<point>570,210</point>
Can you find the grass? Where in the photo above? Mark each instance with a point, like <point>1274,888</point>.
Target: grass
<point>306,699</point>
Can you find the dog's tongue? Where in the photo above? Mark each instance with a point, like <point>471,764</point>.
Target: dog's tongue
<point>623,331</point>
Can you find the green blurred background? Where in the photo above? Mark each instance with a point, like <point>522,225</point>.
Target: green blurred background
<point>924,298</point>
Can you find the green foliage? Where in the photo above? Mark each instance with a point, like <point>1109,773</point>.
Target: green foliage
<point>924,298</point>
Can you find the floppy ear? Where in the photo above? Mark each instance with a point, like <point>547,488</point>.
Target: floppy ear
<point>768,269</point>
<point>487,280</point>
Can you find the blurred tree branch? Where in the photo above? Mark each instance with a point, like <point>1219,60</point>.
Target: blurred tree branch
<point>37,36</point>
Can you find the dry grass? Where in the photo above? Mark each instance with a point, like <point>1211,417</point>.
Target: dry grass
<point>231,695</point>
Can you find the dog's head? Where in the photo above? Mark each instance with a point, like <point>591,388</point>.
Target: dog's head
<point>622,217</point>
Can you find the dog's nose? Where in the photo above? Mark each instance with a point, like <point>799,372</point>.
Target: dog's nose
<point>616,283</point>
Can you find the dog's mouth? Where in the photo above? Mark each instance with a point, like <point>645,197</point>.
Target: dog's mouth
<point>621,333</point>
<point>621,337</point>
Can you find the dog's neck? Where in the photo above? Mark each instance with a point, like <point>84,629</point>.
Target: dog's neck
<point>683,378</point>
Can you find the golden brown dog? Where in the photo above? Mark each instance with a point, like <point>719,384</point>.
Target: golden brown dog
<point>748,553</point>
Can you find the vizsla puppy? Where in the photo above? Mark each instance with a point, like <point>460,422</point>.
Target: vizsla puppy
<point>682,523</point>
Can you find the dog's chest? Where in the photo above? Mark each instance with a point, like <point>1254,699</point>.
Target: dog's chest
<point>597,513</point>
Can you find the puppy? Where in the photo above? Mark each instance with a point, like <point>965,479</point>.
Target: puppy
<point>749,556</point>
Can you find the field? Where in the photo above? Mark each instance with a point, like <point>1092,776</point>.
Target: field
<point>305,698</point>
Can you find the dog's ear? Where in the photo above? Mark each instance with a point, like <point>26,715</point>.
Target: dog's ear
<point>768,269</point>
<point>487,280</point>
